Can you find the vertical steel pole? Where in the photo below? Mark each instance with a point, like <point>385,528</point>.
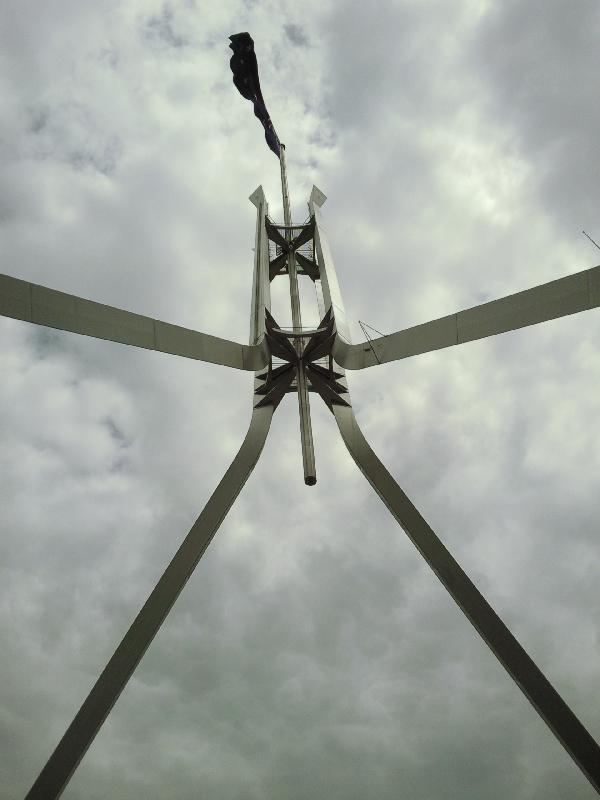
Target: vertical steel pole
<point>308,450</point>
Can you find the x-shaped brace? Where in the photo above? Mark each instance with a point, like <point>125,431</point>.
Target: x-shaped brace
<point>277,265</point>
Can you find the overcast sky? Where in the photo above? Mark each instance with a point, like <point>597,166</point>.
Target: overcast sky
<point>313,654</point>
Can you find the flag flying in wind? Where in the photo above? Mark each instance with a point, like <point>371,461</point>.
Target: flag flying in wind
<point>245,76</point>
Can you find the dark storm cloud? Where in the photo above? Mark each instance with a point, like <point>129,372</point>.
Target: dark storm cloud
<point>538,68</point>
<point>313,653</point>
<point>159,29</point>
<point>296,35</point>
<point>105,162</point>
<point>387,56</point>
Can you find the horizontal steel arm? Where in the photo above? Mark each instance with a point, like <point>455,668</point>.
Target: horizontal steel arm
<point>569,295</point>
<point>538,690</point>
<point>31,302</point>
<point>80,734</point>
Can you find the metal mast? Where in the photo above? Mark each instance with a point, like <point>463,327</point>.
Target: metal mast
<point>306,437</point>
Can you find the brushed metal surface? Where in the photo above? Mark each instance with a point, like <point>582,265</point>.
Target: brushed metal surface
<point>105,692</point>
<point>552,300</point>
<point>31,302</point>
<point>576,740</point>
<point>306,436</point>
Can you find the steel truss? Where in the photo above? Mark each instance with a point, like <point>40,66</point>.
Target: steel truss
<point>311,361</point>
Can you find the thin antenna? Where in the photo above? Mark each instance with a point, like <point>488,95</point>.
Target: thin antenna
<point>591,240</point>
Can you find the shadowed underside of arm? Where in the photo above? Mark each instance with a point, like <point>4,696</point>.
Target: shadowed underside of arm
<point>559,298</point>
<point>31,302</point>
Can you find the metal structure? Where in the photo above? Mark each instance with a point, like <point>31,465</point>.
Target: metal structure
<point>301,360</point>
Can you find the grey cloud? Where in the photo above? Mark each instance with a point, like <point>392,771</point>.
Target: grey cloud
<point>160,29</point>
<point>69,132</point>
<point>538,69</point>
<point>312,654</point>
<point>296,35</point>
<point>105,162</point>
<point>39,119</point>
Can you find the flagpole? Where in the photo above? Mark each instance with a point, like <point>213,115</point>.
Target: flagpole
<point>306,437</point>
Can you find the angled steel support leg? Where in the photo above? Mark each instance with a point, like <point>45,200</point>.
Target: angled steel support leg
<point>541,694</point>
<point>533,306</point>
<point>105,692</point>
<point>81,732</point>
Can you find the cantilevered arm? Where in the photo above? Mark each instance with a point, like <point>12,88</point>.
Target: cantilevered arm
<point>548,703</point>
<point>38,304</point>
<point>80,734</point>
<point>559,298</point>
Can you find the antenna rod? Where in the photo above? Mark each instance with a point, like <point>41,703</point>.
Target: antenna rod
<point>591,240</point>
<point>308,450</point>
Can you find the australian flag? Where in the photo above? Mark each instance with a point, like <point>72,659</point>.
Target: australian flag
<point>245,76</point>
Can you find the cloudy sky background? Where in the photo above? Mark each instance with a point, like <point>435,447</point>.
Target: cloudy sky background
<point>312,654</point>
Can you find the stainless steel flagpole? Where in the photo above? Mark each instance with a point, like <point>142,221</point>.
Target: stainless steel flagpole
<point>306,437</point>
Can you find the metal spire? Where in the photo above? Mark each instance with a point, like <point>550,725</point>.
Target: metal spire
<point>306,437</point>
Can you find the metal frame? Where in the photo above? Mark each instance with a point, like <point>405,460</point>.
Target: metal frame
<point>303,351</point>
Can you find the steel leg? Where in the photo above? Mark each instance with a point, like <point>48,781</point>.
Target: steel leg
<point>541,694</point>
<point>80,734</point>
